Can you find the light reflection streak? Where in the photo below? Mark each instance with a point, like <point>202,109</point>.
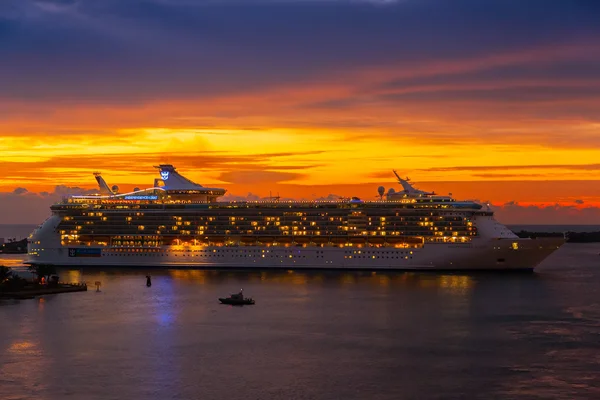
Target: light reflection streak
<point>453,284</point>
<point>24,366</point>
<point>73,276</point>
<point>41,302</point>
<point>163,304</point>
<point>25,348</point>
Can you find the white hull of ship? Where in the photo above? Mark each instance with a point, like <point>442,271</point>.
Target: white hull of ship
<point>480,254</point>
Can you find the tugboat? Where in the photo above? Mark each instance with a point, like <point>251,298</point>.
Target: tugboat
<point>237,299</point>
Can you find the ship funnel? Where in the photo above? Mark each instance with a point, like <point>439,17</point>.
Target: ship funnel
<point>172,180</point>
<point>104,188</point>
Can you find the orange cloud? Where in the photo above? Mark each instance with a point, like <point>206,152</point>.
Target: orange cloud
<point>330,130</point>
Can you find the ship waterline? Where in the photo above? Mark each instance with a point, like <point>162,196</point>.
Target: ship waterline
<point>178,223</point>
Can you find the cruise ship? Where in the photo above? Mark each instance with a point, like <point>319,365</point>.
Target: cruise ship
<point>179,223</point>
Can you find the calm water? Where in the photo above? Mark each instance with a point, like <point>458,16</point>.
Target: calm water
<point>311,336</point>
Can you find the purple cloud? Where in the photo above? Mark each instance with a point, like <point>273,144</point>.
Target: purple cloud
<point>20,190</point>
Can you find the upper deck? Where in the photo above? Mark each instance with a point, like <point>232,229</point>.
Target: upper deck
<point>175,192</point>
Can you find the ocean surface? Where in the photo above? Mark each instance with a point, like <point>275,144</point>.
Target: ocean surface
<point>310,335</point>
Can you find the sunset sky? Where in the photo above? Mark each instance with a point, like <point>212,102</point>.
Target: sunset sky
<point>495,100</point>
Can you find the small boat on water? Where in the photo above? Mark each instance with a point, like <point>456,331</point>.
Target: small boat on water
<point>237,299</point>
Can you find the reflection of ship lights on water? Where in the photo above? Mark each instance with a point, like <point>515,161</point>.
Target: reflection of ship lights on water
<point>452,283</point>
<point>24,348</point>
<point>198,276</point>
<point>74,275</point>
<point>384,280</point>
<point>455,282</point>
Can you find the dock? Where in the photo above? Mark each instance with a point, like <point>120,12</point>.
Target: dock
<point>34,291</point>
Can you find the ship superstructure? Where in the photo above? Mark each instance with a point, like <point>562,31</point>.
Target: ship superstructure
<point>177,222</point>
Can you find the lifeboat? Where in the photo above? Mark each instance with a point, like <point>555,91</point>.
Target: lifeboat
<point>339,240</point>
<point>248,239</point>
<point>284,239</point>
<point>302,239</point>
<point>413,240</point>
<point>358,240</point>
<point>97,238</point>
<point>216,239</point>
<point>394,240</point>
<point>377,240</point>
<point>266,239</point>
<point>320,239</point>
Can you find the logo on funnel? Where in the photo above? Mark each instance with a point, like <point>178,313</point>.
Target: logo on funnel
<point>164,175</point>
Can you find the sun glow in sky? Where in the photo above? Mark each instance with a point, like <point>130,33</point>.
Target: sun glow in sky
<point>306,98</point>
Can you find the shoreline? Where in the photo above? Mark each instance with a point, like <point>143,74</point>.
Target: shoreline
<point>30,292</point>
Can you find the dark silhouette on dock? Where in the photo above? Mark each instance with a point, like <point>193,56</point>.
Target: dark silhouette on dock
<point>13,286</point>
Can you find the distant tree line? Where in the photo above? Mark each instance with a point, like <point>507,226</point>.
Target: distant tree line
<point>14,246</point>
<point>571,237</point>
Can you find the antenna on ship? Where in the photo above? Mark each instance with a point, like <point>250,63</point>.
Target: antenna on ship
<point>271,197</point>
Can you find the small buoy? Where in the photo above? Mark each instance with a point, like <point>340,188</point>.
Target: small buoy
<point>97,283</point>
<point>148,280</point>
